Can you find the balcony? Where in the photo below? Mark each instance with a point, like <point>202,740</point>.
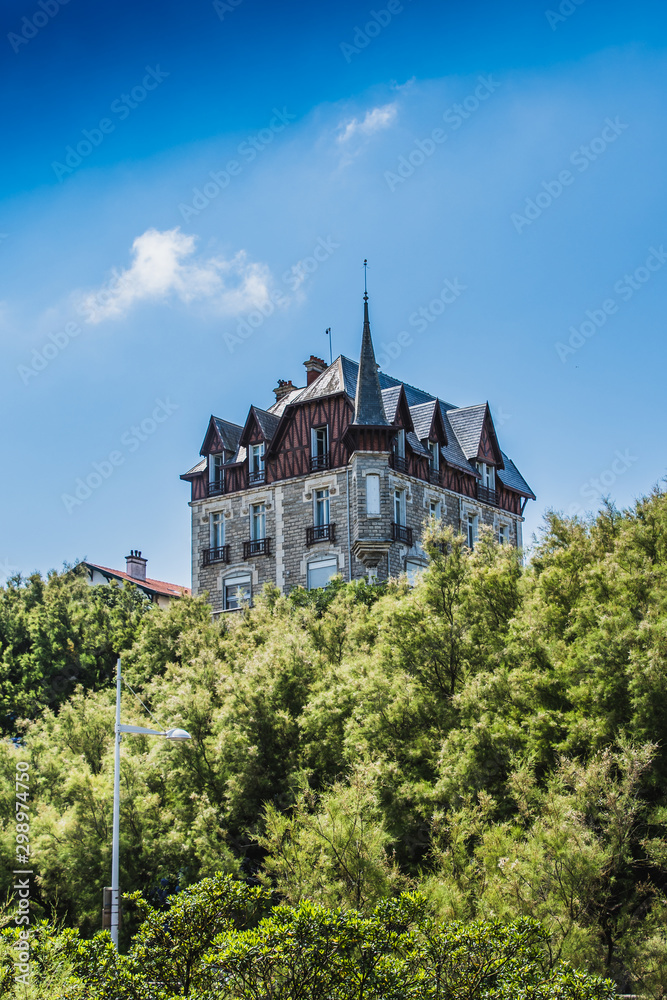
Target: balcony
<point>487,495</point>
<point>434,475</point>
<point>401,533</point>
<point>257,547</point>
<point>220,554</point>
<point>318,462</point>
<point>321,533</point>
<point>256,476</point>
<point>398,462</point>
<point>215,487</point>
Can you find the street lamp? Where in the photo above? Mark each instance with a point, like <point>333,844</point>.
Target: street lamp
<point>169,734</point>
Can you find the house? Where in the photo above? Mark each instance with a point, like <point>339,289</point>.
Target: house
<point>158,591</point>
<point>339,476</point>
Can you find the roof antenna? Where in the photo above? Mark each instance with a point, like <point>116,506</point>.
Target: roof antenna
<point>365,270</point>
<point>327,333</point>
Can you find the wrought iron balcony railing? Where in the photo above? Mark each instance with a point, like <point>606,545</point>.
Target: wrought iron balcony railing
<point>401,533</point>
<point>318,462</point>
<point>256,476</point>
<point>221,554</point>
<point>434,475</point>
<point>257,547</point>
<point>321,533</point>
<point>398,462</point>
<point>215,487</point>
<point>487,495</point>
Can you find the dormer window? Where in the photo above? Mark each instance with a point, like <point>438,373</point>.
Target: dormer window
<point>400,444</point>
<point>488,474</point>
<point>216,474</point>
<point>256,471</point>
<point>434,449</point>
<point>319,448</point>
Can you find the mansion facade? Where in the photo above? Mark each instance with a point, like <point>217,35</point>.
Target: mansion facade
<point>339,476</point>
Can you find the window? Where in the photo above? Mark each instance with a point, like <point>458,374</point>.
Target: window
<point>319,448</point>
<point>413,569</point>
<point>215,470</point>
<point>399,444</point>
<point>236,591</point>
<point>373,495</point>
<point>257,521</point>
<point>217,530</point>
<point>503,534</point>
<point>399,506</point>
<point>256,463</point>
<point>471,530</point>
<point>320,572</point>
<point>434,449</point>
<point>488,474</point>
<point>321,508</point>
<point>434,509</point>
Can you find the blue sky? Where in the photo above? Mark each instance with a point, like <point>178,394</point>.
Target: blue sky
<point>173,170</point>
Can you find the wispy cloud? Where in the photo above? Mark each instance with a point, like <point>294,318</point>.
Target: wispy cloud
<point>164,266</point>
<point>373,121</point>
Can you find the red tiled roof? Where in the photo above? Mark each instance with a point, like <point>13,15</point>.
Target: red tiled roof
<point>155,586</point>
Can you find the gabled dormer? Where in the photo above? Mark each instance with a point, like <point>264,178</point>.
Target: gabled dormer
<point>431,432</point>
<point>476,434</point>
<point>219,447</point>
<point>258,432</point>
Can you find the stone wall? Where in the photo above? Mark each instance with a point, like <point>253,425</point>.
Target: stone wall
<point>290,510</point>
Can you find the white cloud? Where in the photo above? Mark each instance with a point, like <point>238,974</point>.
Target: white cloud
<point>164,266</point>
<point>373,121</point>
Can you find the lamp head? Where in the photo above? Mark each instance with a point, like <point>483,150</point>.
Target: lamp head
<point>177,734</point>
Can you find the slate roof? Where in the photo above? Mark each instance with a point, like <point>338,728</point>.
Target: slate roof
<point>467,422</point>
<point>422,418</point>
<point>268,422</point>
<point>368,403</point>
<point>416,444</point>
<point>452,451</point>
<point>229,433</point>
<point>512,478</point>
<point>390,398</point>
<point>199,467</point>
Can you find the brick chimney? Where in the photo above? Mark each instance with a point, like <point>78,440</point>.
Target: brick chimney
<point>314,366</point>
<point>135,566</point>
<point>283,389</point>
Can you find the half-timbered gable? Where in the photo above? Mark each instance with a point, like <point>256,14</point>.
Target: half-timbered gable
<point>340,476</point>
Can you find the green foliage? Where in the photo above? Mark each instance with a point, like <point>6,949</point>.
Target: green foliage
<point>494,736</point>
<point>57,633</point>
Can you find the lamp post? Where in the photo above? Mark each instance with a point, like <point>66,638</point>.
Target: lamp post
<point>169,734</point>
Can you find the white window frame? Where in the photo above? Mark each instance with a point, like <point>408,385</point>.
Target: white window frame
<point>315,449</point>
<point>472,529</point>
<point>503,533</point>
<point>321,501</point>
<point>328,562</point>
<point>437,513</point>
<point>216,528</point>
<point>257,516</point>
<point>488,474</point>
<point>434,448</point>
<point>243,582</point>
<point>256,457</point>
<point>373,497</point>
<point>400,443</point>
<point>216,464</point>
<point>399,506</point>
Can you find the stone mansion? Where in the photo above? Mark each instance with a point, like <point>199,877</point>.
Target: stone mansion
<point>339,476</point>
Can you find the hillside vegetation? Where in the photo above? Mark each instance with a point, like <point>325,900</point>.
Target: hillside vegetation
<point>489,745</point>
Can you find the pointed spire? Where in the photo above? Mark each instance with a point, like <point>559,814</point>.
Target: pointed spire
<point>368,405</point>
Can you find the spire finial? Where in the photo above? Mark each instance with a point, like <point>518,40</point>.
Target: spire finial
<point>365,271</point>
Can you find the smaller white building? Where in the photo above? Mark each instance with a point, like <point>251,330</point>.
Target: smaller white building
<point>157,591</point>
